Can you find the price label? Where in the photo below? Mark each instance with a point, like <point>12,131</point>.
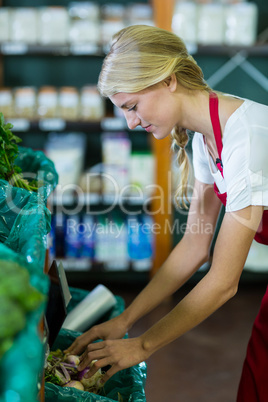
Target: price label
<point>77,264</point>
<point>142,265</point>
<point>14,48</point>
<point>84,48</point>
<point>52,124</point>
<point>110,199</point>
<point>113,124</point>
<point>20,124</point>
<point>89,199</point>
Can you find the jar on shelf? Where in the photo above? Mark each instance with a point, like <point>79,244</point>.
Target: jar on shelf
<point>6,102</point>
<point>53,25</point>
<point>113,19</point>
<point>47,102</point>
<point>184,21</point>
<point>4,24</point>
<point>84,22</point>
<point>68,103</point>
<point>241,24</point>
<point>211,24</point>
<point>116,148</point>
<point>91,104</point>
<point>139,13</point>
<point>23,25</point>
<point>25,102</point>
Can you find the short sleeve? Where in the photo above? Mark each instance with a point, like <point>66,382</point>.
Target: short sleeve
<point>244,157</point>
<point>200,162</point>
<point>247,171</point>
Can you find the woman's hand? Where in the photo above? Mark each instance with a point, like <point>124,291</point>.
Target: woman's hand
<point>112,329</point>
<point>119,354</point>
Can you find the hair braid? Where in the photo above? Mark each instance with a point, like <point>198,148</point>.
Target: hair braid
<point>180,140</point>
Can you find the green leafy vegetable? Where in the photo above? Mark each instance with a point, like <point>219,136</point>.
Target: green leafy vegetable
<point>61,372</point>
<point>9,151</point>
<point>17,298</point>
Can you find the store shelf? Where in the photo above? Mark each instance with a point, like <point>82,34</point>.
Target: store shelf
<point>24,49</point>
<point>84,279</point>
<point>260,50</point>
<point>84,199</point>
<point>58,124</point>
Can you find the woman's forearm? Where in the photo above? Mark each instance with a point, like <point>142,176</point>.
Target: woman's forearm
<point>191,252</point>
<point>178,268</point>
<point>217,287</point>
<point>203,300</point>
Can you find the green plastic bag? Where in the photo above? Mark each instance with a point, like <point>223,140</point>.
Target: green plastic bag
<point>24,217</point>
<point>24,224</point>
<point>21,364</point>
<point>125,386</point>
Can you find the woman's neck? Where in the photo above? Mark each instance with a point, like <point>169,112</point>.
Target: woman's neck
<point>196,116</point>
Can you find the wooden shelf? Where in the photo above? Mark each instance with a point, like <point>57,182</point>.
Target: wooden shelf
<point>59,124</point>
<point>260,50</point>
<point>24,49</point>
<point>85,279</point>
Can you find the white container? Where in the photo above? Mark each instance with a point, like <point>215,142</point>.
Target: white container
<point>184,21</point>
<point>141,172</point>
<point>6,102</point>
<point>68,103</point>
<point>23,25</point>
<point>241,24</point>
<point>4,24</point>
<point>115,178</point>
<point>92,104</point>
<point>25,102</point>
<point>67,152</point>
<point>86,10</point>
<point>116,148</point>
<point>53,25</point>
<point>84,23</point>
<point>113,19</point>
<point>139,14</point>
<point>211,24</point>
<point>90,310</point>
<point>47,102</point>
<point>84,32</point>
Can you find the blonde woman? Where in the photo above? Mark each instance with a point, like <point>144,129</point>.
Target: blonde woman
<point>150,76</point>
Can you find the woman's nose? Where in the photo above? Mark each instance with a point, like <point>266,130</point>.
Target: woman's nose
<point>132,121</point>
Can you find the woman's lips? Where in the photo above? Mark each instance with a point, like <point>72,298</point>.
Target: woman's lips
<point>148,128</point>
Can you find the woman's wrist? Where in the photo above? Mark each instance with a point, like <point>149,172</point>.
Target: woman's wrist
<point>126,317</point>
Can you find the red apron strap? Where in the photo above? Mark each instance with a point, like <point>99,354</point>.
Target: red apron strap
<point>214,116</point>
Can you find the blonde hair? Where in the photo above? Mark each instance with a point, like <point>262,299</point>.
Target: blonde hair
<point>142,56</point>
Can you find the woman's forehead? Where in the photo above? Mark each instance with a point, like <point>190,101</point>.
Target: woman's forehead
<point>122,99</point>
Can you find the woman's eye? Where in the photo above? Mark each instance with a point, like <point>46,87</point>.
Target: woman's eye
<point>132,108</point>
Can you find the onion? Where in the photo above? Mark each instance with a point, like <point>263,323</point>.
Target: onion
<point>75,384</point>
<point>72,359</point>
<point>82,373</point>
<point>93,381</point>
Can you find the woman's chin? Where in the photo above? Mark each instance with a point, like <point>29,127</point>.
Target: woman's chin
<point>159,136</point>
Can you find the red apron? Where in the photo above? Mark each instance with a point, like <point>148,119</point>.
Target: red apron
<point>253,385</point>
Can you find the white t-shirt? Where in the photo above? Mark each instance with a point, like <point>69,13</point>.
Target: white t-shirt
<point>244,157</point>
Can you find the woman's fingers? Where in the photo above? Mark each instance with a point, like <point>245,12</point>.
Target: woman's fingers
<point>112,371</point>
<point>79,345</point>
<point>119,354</point>
<point>94,351</point>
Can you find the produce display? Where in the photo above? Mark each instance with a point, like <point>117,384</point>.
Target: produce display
<point>62,370</point>
<point>9,151</point>
<point>17,298</point>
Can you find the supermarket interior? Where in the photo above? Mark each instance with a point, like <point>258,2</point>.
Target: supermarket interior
<point>86,241</point>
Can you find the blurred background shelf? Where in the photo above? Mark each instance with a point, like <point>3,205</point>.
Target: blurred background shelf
<point>238,69</point>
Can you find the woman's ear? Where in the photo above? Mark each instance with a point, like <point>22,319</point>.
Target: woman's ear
<point>171,82</point>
